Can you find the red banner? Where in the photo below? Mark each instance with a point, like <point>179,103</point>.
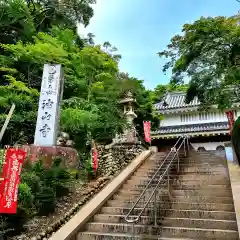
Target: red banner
<point>147,130</point>
<point>94,157</point>
<point>230,116</point>
<point>11,179</point>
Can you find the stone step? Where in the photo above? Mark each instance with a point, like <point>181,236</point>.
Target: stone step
<point>187,177</point>
<point>182,175</point>
<point>134,185</point>
<point>192,154</point>
<point>145,181</point>
<point>163,231</point>
<point>190,157</point>
<point>192,161</point>
<point>174,205</point>
<point>177,192</point>
<point>176,213</point>
<point>188,199</point>
<point>151,172</point>
<point>206,169</point>
<point>187,161</point>
<point>120,236</point>
<point>177,222</point>
<point>182,166</point>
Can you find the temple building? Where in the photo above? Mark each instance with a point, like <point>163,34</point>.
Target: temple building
<point>207,130</point>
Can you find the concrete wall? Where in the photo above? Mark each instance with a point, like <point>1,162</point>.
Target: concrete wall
<point>209,146</point>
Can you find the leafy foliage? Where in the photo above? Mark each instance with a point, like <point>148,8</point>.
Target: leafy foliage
<point>33,33</point>
<point>25,197</point>
<point>22,19</point>
<point>236,138</point>
<point>32,180</point>
<point>208,53</point>
<point>91,91</point>
<point>160,90</point>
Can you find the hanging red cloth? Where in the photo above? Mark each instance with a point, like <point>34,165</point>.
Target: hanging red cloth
<point>94,157</point>
<point>12,168</point>
<point>231,120</point>
<point>147,131</point>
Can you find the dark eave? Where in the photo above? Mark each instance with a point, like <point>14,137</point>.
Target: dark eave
<point>205,127</point>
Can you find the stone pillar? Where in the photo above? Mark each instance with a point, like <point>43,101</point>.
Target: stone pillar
<point>49,106</point>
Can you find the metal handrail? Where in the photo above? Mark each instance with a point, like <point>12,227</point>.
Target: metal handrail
<point>175,150</point>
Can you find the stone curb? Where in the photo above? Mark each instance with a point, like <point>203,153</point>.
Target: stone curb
<point>234,174</point>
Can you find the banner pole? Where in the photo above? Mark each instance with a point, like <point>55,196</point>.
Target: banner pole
<point>5,125</point>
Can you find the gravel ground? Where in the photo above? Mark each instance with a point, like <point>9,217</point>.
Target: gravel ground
<point>37,225</point>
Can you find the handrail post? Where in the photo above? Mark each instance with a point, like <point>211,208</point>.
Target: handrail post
<point>133,232</point>
<point>168,184</point>
<point>184,146</point>
<point>178,167</point>
<point>188,143</point>
<point>155,209</point>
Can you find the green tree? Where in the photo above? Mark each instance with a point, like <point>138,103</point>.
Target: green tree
<point>22,19</point>
<point>144,106</point>
<point>93,84</point>
<point>90,99</point>
<point>16,22</point>
<point>64,13</point>
<point>208,53</point>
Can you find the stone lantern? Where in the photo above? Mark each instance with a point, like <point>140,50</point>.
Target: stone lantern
<point>129,134</point>
<point>128,107</point>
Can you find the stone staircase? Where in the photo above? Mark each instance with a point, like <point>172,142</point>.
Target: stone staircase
<point>198,204</point>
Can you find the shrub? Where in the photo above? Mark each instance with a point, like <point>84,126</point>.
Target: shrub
<point>89,169</point>
<point>17,221</point>
<point>46,200</point>
<point>56,162</point>
<point>48,177</point>
<point>63,178</point>
<point>25,202</point>
<point>25,197</point>
<point>74,174</point>
<point>1,158</point>
<point>38,167</point>
<point>62,174</point>
<point>61,189</point>
<point>32,180</point>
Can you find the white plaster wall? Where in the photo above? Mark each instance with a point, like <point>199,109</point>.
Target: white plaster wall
<point>209,146</point>
<point>175,120</point>
<point>170,121</point>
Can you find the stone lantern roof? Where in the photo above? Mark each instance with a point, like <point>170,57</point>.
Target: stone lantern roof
<point>128,98</point>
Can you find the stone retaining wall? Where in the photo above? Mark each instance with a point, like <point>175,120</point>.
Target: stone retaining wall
<point>113,160</point>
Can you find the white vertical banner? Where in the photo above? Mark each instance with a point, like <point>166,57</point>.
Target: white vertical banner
<point>49,106</point>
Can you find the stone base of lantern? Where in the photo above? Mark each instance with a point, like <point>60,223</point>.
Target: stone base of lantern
<point>47,154</point>
<point>127,138</point>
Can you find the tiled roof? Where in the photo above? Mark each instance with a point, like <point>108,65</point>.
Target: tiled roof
<point>205,127</point>
<point>175,100</point>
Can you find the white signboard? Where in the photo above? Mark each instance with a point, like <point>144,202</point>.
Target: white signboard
<point>49,106</point>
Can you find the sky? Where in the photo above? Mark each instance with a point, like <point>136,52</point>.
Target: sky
<point>141,28</point>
